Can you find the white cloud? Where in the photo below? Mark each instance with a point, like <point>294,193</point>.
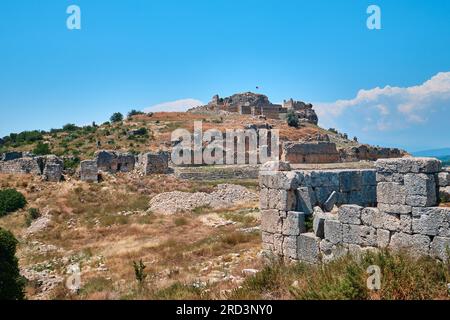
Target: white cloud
<point>393,109</point>
<point>175,106</point>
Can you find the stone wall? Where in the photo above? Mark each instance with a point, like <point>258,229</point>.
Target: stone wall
<point>368,153</point>
<point>313,152</point>
<point>153,163</point>
<point>49,167</point>
<point>406,216</point>
<point>218,173</point>
<point>113,162</point>
<point>89,171</point>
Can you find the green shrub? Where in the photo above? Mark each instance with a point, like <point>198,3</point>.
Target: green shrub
<point>70,127</point>
<point>32,215</point>
<point>10,201</point>
<point>41,149</point>
<point>134,113</point>
<point>11,282</point>
<point>139,272</point>
<point>292,119</point>
<point>116,117</point>
<point>71,163</point>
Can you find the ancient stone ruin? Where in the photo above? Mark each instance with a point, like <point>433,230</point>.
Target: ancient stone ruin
<point>259,105</point>
<point>49,167</point>
<point>114,162</point>
<point>394,206</point>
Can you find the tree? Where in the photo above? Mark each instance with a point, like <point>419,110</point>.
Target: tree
<point>292,119</point>
<point>10,201</point>
<point>134,113</point>
<point>12,284</point>
<point>116,117</point>
<point>41,149</point>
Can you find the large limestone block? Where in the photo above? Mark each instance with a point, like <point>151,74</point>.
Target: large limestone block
<point>331,202</point>
<point>306,200</point>
<point>290,247</point>
<point>440,248</point>
<point>89,171</point>
<point>330,252</point>
<point>294,224</point>
<point>360,235</point>
<point>276,166</point>
<point>391,193</point>
<point>319,222</point>
<point>333,231</point>
<point>383,238</point>
<point>444,179</point>
<point>350,180</point>
<point>390,177</point>
<point>324,179</point>
<point>420,190</point>
<point>308,248</point>
<point>408,165</point>
<point>278,199</point>
<point>350,214</point>
<point>395,208</point>
<point>271,221</point>
<point>431,221</point>
<point>369,177</point>
<point>279,180</point>
<point>323,193</point>
<point>417,245</point>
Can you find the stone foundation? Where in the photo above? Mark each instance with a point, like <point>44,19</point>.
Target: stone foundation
<point>406,216</point>
<point>153,163</point>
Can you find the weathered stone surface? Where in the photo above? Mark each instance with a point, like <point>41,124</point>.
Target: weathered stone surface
<point>333,231</point>
<point>395,208</point>
<point>276,166</point>
<point>308,248</point>
<point>350,214</point>
<point>331,202</point>
<point>444,179</point>
<point>360,235</point>
<point>112,161</point>
<point>417,244</point>
<point>279,180</point>
<point>53,169</point>
<point>395,222</point>
<point>391,193</point>
<point>290,248</point>
<point>420,190</point>
<point>431,221</point>
<point>368,177</point>
<point>440,248</point>
<point>444,194</point>
<point>21,166</point>
<point>383,238</point>
<point>294,223</point>
<point>323,178</point>
<point>271,221</point>
<point>369,196</point>
<point>278,199</point>
<point>390,177</point>
<point>153,163</point>
<point>309,152</point>
<point>330,252</point>
<point>323,193</point>
<point>350,180</point>
<point>371,217</point>
<point>408,165</point>
<point>278,240</point>
<point>267,237</point>
<point>89,171</point>
<point>306,200</point>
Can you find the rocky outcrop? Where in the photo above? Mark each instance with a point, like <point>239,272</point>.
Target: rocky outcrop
<point>224,196</point>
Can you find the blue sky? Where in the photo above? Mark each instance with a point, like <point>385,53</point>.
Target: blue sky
<point>142,53</point>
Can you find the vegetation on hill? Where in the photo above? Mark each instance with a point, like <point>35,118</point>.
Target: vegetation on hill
<point>10,201</point>
<point>11,282</point>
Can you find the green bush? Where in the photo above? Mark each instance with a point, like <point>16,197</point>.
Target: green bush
<point>10,201</point>
<point>116,117</point>
<point>42,149</point>
<point>292,119</point>
<point>11,282</point>
<point>32,215</point>
<point>70,127</point>
<point>71,163</point>
<point>134,113</point>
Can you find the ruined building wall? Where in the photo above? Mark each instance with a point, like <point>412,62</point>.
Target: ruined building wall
<point>318,152</point>
<point>406,216</point>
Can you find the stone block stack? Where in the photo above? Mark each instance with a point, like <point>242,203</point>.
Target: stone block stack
<point>406,217</point>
